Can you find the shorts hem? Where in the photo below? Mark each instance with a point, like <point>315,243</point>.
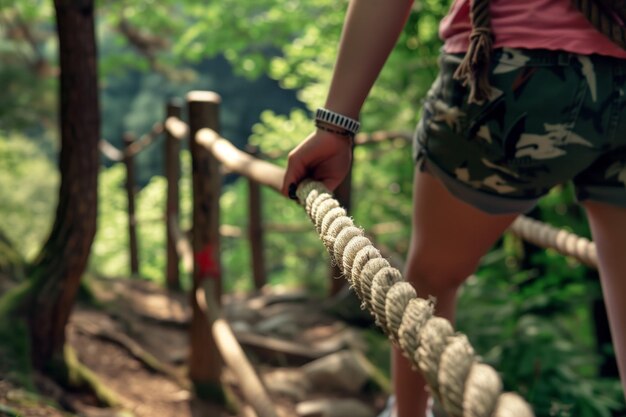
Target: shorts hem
<point>483,201</point>
<point>600,194</point>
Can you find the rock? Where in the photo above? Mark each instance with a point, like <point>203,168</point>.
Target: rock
<point>290,383</point>
<point>236,311</point>
<point>346,338</point>
<point>338,371</point>
<point>240,326</point>
<point>280,325</point>
<point>334,408</point>
<point>272,295</point>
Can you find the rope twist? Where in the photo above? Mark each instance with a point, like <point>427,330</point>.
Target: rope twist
<point>464,386</point>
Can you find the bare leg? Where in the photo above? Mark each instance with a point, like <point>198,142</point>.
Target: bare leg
<point>608,225</point>
<point>449,238</point>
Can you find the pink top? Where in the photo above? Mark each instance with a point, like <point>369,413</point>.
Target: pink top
<point>530,24</point>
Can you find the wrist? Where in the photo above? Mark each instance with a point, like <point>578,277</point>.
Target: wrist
<point>336,130</point>
<point>335,122</point>
<point>338,136</point>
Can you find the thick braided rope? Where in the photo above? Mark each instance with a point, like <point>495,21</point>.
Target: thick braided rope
<point>473,71</point>
<point>465,387</point>
<point>564,242</point>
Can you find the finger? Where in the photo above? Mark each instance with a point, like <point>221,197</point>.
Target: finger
<point>294,174</point>
<point>292,191</point>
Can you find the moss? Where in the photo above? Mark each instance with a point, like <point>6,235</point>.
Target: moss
<point>86,293</point>
<point>210,391</point>
<point>5,410</point>
<point>13,302</point>
<point>217,394</point>
<point>77,376</point>
<point>378,378</point>
<point>378,355</point>
<point>15,353</point>
<point>11,261</point>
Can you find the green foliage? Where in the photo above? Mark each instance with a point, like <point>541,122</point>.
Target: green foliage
<point>278,134</point>
<point>28,193</point>
<point>27,54</point>
<point>537,338</point>
<point>110,255</point>
<point>11,261</point>
<point>112,234</point>
<point>307,62</point>
<point>384,173</point>
<point>292,259</point>
<point>378,351</point>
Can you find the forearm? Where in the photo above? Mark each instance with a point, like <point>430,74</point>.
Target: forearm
<point>371,30</point>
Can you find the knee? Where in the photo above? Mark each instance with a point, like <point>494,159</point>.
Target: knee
<point>438,271</point>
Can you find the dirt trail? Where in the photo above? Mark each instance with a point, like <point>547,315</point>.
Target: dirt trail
<point>137,345</point>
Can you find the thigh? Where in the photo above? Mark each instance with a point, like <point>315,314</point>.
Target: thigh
<point>449,236</point>
<point>608,226</point>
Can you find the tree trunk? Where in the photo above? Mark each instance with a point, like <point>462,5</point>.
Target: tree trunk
<point>57,272</point>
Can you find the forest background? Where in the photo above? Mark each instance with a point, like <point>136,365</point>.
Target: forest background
<point>534,315</point>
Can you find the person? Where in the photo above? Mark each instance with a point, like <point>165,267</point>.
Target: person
<point>553,110</point>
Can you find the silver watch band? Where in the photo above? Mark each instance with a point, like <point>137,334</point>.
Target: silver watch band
<point>339,120</point>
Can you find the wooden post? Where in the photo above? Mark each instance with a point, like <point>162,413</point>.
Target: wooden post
<point>205,364</point>
<point>130,193</point>
<point>172,175</point>
<point>343,194</point>
<point>255,228</point>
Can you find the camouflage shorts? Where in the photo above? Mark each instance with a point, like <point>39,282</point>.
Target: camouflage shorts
<point>552,117</point>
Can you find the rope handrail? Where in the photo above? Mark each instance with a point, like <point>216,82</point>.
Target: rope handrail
<point>176,127</point>
<point>240,162</point>
<point>464,386</point>
<point>110,151</point>
<point>145,140</point>
<point>114,154</point>
<point>550,237</point>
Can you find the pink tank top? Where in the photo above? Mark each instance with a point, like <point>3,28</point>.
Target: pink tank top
<point>530,24</point>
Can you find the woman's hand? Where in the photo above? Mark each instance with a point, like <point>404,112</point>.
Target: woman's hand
<point>322,156</point>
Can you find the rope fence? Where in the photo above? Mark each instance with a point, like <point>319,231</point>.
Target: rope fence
<point>464,385</point>
<point>549,237</point>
